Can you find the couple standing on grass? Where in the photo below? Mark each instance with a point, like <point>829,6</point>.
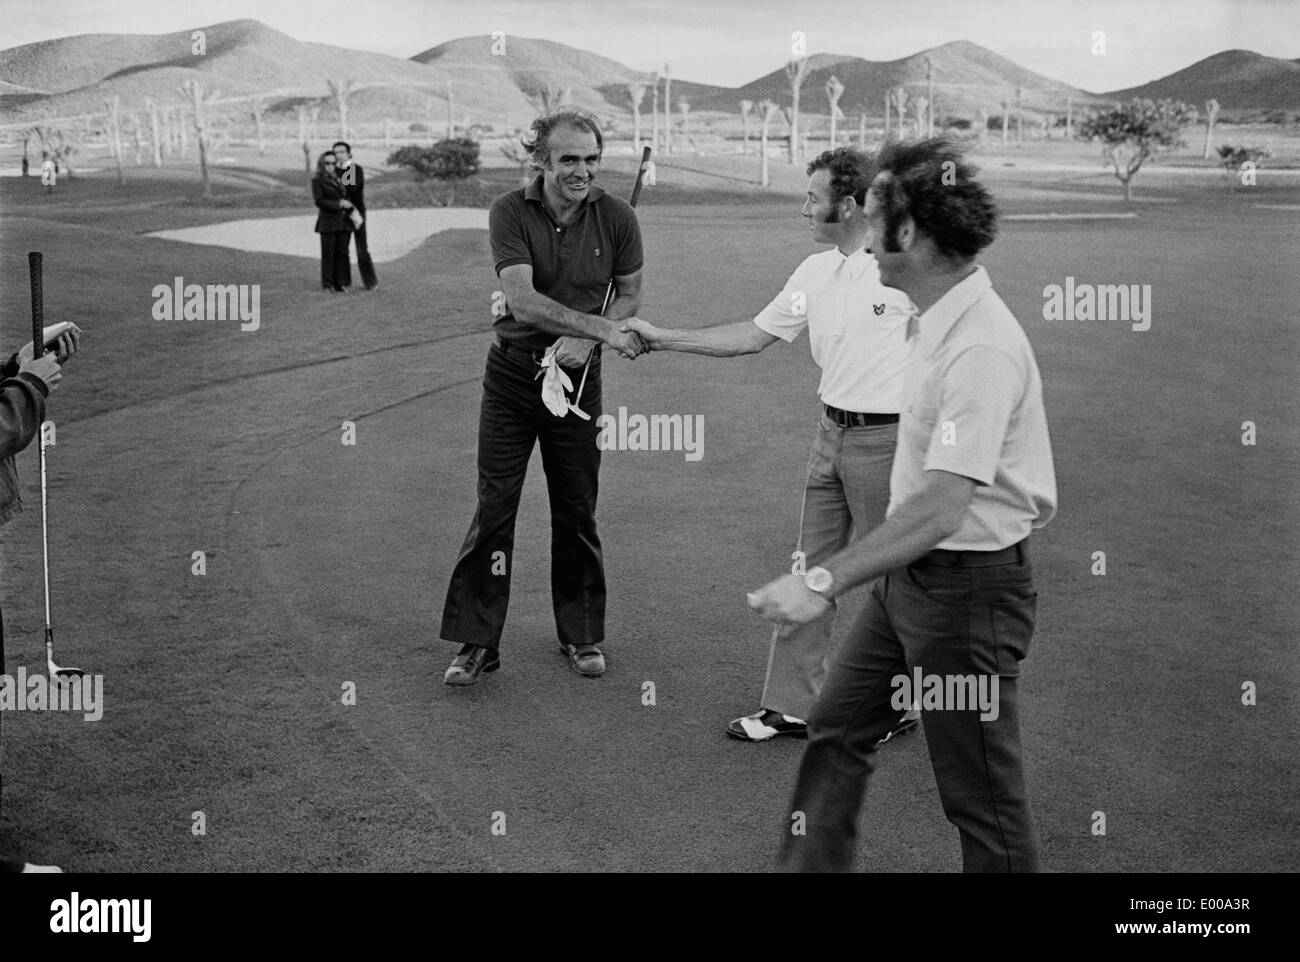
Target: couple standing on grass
<point>339,190</point>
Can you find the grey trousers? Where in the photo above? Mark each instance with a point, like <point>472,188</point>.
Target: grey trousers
<point>846,496</point>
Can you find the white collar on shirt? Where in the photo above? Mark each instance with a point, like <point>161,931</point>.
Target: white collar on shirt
<point>935,323</point>
<point>857,262</point>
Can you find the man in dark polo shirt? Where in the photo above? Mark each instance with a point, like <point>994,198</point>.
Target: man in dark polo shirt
<point>557,243</point>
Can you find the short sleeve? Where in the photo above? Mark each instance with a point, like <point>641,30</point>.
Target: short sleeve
<point>978,395</point>
<point>787,315</point>
<point>506,233</point>
<point>628,256</point>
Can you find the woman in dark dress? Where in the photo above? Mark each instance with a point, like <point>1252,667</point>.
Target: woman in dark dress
<point>334,225</point>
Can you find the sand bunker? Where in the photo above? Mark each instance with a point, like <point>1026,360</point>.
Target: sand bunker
<point>390,233</point>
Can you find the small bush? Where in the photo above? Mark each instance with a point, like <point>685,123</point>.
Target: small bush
<point>454,159</point>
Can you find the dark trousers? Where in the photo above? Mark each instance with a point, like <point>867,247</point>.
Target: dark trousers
<point>948,621</point>
<point>364,263</point>
<point>335,270</point>
<point>511,419</point>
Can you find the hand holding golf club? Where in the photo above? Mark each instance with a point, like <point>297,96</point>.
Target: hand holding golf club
<point>46,368</point>
<point>63,347</point>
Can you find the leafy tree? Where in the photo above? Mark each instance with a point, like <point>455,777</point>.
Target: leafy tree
<point>453,159</point>
<point>440,166</point>
<point>1234,160</point>
<point>1133,132</point>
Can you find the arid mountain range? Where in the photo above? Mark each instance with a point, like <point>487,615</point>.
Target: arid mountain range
<point>244,59</point>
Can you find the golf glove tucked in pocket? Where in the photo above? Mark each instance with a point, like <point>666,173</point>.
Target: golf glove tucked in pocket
<point>554,383</point>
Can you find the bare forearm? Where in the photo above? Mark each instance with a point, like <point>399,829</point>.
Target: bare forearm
<point>916,527</point>
<point>554,318</point>
<point>729,340</point>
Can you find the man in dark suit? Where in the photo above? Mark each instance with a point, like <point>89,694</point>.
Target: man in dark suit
<point>354,184</point>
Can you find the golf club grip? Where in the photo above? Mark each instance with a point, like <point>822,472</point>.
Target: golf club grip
<point>35,265</point>
<point>640,175</point>
<point>636,195</point>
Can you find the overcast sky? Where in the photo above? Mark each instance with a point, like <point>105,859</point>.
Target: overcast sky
<point>730,42</point>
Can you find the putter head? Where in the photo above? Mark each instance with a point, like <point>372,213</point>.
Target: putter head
<point>63,674</point>
<point>579,411</point>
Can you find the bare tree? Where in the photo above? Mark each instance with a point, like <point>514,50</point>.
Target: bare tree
<point>258,107</point>
<point>339,91</point>
<point>685,109</point>
<point>137,141</point>
<point>767,110</point>
<point>1020,115</point>
<point>1006,119</point>
<point>984,126</point>
<point>155,139</point>
<point>113,131</point>
<point>889,102</point>
<point>919,107</point>
<point>200,102</point>
<point>1069,117</point>
<point>900,109</point>
<point>165,129</point>
<point>636,93</point>
<point>929,96</point>
<point>668,110</point>
<point>302,136</point>
<point>745,107</point>
<point>654,115</point>
<point>862,128</point>
<point>797,71</point>
<point>1211,115</point>
<point>516,153</point>
<point>834,91</point>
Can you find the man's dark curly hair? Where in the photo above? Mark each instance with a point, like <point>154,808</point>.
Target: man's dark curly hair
<point>851,172</point>
<point>929,181</point>
<point>539,144</point>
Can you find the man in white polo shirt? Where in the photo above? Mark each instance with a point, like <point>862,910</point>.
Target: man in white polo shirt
<point>857,331</point>
<point>972,477</point>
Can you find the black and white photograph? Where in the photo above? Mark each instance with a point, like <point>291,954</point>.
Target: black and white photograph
<point>651,437</point>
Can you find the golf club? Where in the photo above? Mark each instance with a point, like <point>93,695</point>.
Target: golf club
<point>35,261</point>
<point>609,291</point>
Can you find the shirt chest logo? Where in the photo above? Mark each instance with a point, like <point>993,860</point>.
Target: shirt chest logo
<point>878,308</point>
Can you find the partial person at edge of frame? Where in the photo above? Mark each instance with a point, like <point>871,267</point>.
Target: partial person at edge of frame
<point>24,384</point>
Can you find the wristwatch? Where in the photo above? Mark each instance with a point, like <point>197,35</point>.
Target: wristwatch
<point>819,580</point>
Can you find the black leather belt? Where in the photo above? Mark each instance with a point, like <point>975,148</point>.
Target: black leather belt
<point>534,355</point>
<point>857,419</point>
<point>942,558</point>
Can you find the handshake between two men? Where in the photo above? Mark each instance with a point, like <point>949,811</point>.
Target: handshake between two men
<point>634,337</point>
